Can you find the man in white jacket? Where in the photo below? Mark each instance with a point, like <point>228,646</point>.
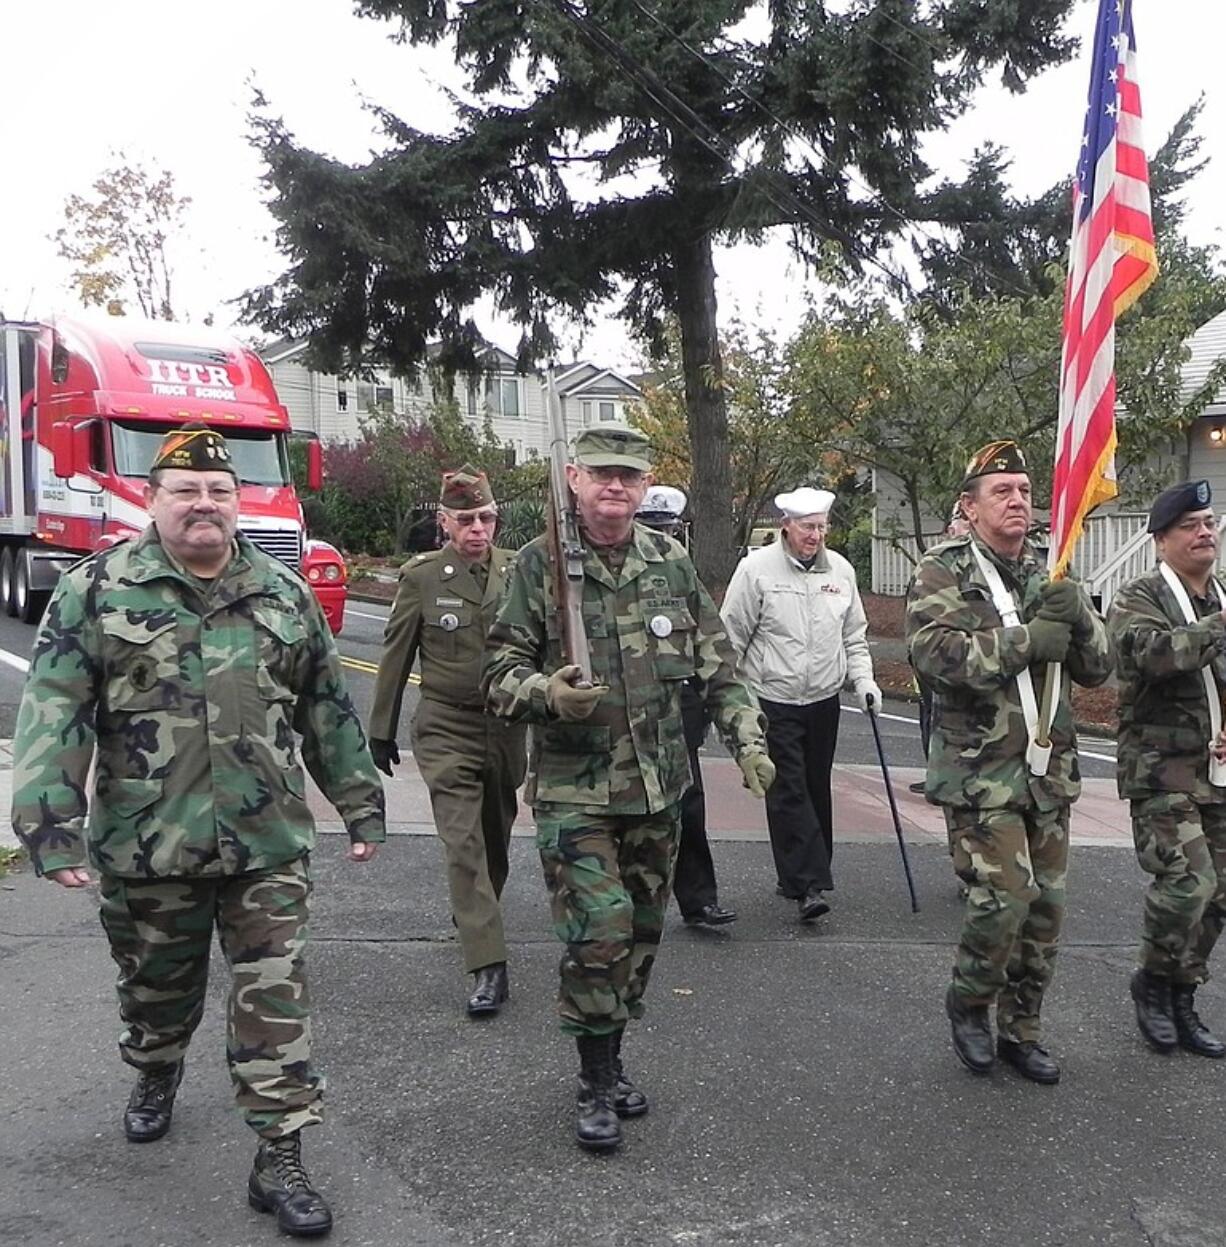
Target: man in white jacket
<point>794,616</point>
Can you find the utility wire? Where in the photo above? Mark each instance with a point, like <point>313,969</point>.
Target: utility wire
<point>800,137</point>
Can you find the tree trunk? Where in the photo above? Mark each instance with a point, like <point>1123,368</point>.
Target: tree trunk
<point>714,550</point>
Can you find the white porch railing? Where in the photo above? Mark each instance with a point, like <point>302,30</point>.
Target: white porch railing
<point>1113,549</point>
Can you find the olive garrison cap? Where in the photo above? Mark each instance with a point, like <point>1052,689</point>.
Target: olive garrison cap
<point>613,446</point>
<point>193,448</point>
<point>466,489</point>
<point>1171,503</point>
<point>1002,456</point>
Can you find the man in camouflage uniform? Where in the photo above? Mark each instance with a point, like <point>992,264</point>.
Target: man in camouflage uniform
<point>1008,825</point>
<point>608,762</point>
<point>1169,629</point>
<point>472,762</point>
<point>181,664</point>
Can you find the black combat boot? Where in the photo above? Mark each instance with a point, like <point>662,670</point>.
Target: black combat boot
<point>1031,1060</point>
<point>147,1116</point>
<point>628,1100</point>
<point>489,990</point>
<point>597,1129</point>
<point>279,1183</point>
<point>1193,1033</point>
<point>972,1033</point>
<point>1152,995</point>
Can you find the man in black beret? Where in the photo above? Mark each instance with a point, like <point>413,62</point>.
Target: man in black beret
<point>1169,629</point>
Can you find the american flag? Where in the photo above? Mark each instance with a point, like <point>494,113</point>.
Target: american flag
<point>1111,264</point>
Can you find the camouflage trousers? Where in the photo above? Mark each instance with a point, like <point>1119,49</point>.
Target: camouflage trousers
<point>1183,845</point>
<point>160,932</point>
<point>1014,864</point>
<point>608,879</point>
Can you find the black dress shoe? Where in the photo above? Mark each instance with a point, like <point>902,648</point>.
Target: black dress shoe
<point>489,991</point>
<point>1031,1060</point>
<point>1193,1033</point>
<point>919,786</point>
<point>709,916</point>
<point>972,1034</point>
<point>1155,1016</point>
<point>151,1103</point>
<point>812,905</point>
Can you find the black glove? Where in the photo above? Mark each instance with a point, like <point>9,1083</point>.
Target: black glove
<point>1049,640</point>
<point>385,753</point>
<point>1062,601</point>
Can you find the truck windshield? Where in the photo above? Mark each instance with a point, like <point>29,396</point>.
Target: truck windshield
<point>259,456</point>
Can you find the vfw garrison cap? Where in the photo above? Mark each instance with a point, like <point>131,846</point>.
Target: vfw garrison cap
<point>193,448</point>
<point>466,489</point>
<point>1002,456</point>
<point>1171,503</point>
<point>613,446</point>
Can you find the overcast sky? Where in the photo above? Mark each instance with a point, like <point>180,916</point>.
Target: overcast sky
<point>170,84</point>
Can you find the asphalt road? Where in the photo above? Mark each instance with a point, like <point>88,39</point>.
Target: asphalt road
<point>361,642</point>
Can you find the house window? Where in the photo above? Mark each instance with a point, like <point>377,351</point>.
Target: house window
<point>502,396</point>
<point>471,388</point>
<point>608,411</point>
<point>585,412</point>
<point>342,399</point>
<point>383,396</point>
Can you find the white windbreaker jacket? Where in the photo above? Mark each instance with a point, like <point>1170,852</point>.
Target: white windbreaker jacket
<point>799,635</point>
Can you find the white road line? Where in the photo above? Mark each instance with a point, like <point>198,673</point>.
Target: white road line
<point>363,615</point>
<point>14,660</point>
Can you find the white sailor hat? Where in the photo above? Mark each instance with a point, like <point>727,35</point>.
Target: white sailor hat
<point>804,501</point>
<point>663,500</point>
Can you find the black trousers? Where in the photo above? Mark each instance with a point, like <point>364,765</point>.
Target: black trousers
<point>801,741</point>
<point>694,873</point>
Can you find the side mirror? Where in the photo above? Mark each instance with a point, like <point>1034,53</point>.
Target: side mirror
<point>315,466</point>
<point>69,449</point>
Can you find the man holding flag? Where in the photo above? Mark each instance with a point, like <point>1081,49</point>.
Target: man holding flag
<point>981,616</point>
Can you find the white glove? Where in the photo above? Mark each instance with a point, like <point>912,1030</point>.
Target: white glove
<point>867,692</point>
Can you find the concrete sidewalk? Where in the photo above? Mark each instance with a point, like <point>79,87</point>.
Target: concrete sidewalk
<point>862,811</point>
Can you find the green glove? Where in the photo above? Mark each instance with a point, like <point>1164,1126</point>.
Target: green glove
<point>571,704</point>
<point>1062,602</point>
<point>759,772</point>
<point>1049,640</point>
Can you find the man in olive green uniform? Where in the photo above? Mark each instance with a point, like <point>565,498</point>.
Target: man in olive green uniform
<point>982,615</point>
<point>609,764</point>
<point>1169,629</point>
<point>181,665</point>
<point>472,762</point>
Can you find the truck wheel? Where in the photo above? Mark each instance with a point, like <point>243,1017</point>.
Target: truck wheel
<point>8,596</point>
<point>29,606</point>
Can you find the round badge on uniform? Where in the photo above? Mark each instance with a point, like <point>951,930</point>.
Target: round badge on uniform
<point>143,675</point>
<point>448,569</point>
<point>449,622</point>
<point>661,626</point>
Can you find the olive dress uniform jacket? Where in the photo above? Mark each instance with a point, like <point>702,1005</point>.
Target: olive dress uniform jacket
<point>443,614</point>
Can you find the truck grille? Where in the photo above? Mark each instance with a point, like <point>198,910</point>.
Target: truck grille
<point>282,543</point>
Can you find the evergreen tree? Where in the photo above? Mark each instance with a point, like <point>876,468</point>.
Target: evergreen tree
<point>806,115</point>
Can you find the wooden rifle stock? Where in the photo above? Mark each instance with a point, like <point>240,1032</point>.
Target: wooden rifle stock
<point>565,547</point>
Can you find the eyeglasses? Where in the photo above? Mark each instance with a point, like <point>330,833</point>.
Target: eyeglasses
<point>486,518</point>
<point>629,477</point>
<point>220,494</point>
<point>808,526</point>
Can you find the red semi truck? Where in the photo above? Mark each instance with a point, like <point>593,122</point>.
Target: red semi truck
<point>83,406</point>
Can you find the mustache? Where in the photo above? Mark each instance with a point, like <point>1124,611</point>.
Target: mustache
<point>215,520</point>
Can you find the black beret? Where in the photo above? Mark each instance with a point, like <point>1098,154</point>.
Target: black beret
<point>1171,503</point>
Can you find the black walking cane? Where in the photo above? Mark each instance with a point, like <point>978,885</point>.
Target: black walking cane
<point>889,792</point>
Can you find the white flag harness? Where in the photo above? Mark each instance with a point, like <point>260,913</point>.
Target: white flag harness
<point>1217,770</point>
<point>1038,756</point>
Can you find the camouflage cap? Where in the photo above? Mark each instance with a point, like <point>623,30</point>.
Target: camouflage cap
<point>1171,503</point>
<point>613,446</point>
<point>1001,456</point>
<point>193,448</point>
<point>466,489</point>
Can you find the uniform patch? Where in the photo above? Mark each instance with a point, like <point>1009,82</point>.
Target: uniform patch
<point>143,675</point>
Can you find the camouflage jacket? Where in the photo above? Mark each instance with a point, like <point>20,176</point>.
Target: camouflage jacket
<point>443,613</point>
<point>186,700</point>
<point>630,756</point>
<point>958,645</point>
<point>1164,714</point>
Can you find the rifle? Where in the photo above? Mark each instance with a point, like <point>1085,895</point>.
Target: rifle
<point>565,547</point>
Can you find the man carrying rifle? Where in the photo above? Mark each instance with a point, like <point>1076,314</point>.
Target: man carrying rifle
<point>608,763</point>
